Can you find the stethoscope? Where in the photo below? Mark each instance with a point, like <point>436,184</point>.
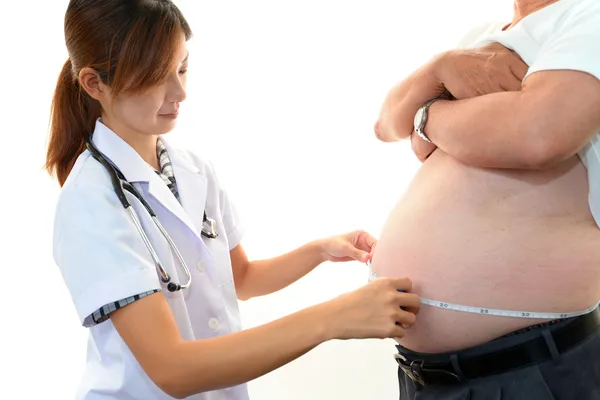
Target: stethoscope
<point>120,184</point>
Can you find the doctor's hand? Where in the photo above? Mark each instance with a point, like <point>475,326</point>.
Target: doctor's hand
<point>357,245</point>
<point>374,310</point>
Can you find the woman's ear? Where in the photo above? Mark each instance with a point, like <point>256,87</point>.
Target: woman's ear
<point>90,81</point>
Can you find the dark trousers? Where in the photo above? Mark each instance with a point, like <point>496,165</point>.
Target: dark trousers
<point>574,374</point>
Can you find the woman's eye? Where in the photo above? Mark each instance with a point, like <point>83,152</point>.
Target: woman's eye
<point>183,71</point>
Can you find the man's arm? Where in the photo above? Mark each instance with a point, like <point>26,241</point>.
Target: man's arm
<point>459,74</point>
<point>549,120</point>
<point>552,117</point>
<point>398,111</point>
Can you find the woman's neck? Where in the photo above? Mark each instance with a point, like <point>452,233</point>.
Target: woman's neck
<point>143,144</point>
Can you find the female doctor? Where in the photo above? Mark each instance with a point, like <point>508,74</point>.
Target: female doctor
<point>148,243</point>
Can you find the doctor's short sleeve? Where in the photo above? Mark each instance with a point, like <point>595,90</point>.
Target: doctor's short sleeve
<point>98,250</point>
<point>575,44</point>
<point>233,226</point>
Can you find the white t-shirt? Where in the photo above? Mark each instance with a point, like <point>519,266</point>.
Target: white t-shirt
<point>563,35</point>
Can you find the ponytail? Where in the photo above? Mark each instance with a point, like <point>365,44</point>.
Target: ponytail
<point>73,116</point>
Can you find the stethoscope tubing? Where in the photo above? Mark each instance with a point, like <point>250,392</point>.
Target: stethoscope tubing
<point>120,184</point>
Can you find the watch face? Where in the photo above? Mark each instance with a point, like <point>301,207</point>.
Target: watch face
<point>418,118</point>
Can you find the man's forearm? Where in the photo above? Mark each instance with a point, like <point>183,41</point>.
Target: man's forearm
<point>405,99</point>
<point>490,131</point>
<point>548,121</point>
<point>267,276</point>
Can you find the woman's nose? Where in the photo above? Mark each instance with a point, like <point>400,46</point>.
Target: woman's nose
<point>181,95</point>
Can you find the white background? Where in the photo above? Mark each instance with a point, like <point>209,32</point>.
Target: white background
<point>283,96</point>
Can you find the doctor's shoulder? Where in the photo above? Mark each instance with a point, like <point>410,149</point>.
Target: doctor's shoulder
<point>86,181</point>
<point>86,173</point>
<point>86,193</point>
<point>95,245</point>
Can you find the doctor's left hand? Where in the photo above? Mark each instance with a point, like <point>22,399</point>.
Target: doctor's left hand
<point>357,245</point>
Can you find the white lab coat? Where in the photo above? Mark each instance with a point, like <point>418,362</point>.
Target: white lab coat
<point>103,259</point>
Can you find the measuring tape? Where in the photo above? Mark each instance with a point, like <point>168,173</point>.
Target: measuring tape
<point>493,311</point>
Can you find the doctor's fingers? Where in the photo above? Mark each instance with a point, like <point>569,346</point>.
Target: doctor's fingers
<point>409,302</point>
<point>372,251</point>
<point>401,321</point>
<point>363,240</point>
<point>405,318</point>
<point>395,284</point>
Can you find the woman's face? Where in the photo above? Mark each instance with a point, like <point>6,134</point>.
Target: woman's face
<point>153,111</point>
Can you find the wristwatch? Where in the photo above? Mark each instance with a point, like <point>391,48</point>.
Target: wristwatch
<point>421,118</point>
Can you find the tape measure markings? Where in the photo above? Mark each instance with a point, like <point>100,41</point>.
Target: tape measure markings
<point>496,312</point>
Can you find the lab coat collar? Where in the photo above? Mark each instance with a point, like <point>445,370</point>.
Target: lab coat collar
<point>192,186</point>
<point>121,154</point>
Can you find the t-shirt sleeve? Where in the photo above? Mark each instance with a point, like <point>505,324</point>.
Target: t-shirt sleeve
<point>98,249</point>
<point>478,33</point>
<point>575,45</point>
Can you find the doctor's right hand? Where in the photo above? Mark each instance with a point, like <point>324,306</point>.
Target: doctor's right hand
<point>374,310</point>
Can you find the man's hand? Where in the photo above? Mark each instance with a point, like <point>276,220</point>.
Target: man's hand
<point>421,148</point>
<point>475,72</point>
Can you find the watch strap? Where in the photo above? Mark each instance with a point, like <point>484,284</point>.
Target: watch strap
<point>420,129</point>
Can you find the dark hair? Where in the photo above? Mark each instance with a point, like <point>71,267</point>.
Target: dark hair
<point>130,43</point>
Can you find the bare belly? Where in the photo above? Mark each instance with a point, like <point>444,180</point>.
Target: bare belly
<point>515,240</point>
